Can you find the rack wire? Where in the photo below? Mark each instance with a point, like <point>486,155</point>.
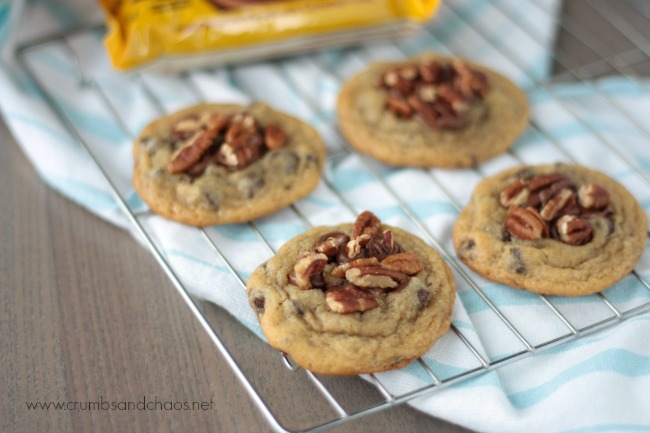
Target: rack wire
<point>378,397</point>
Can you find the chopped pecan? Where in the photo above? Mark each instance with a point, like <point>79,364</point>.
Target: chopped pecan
<point>185,128</point>
<point>448,117</point>
<point>593,196</point>
<point>390,78</point>
<point>563,203</point>
<point>330,243</point>
<point>525,223</point>
<point>399,80</point>
<point>330,278</point>
<point>274,136</point>
<point>469,82</point>
<point>382,245</point>
<point>433,93</point>
<point>308,265</point>
<point>549,192</point>
<point>340,270</point>
<point>406,263</point>
<point>377,277</point>
<point>246,120</point>
<point>425,113</point>
<point>409,72</point>
<point>574,230</point>
<point>427,93</point>
<point>348,298</point>
<point>514,194</point>
<point>240,157</point>
<point>399,106</point>
<point>430,72</point>
<point>455,99</point>
<point>553,198</point>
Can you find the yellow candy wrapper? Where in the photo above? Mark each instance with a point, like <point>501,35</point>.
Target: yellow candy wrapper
<point>174,35</point>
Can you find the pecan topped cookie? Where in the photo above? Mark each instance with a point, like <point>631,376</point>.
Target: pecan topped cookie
<point>217,164</point>
<point>354,298</point>
<point>431,111</point>
<point>554,229</point>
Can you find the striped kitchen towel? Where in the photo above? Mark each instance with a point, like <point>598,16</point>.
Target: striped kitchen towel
<point>597,383</point>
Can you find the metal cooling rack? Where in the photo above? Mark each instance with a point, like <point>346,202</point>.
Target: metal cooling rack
<point>378,397</point>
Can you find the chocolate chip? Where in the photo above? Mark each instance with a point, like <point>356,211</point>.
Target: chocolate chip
<point>424,296</point>
<point>298,308</point>
<point>259,301</point>
<point>212,201</point>
<point>251,184</point>
<point>610,226</point>
<point>291,162</point>
<point>317,281</point>
<point>525,174</point>
<point>505,236</point>
<point>467,245</point>
<point>518,261</point>
<point>258,185</point>
<point>152,144</point>
<point>311,159</point>
<point>342,257</point>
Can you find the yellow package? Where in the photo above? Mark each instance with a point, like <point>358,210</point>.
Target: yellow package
<point>173,35</point>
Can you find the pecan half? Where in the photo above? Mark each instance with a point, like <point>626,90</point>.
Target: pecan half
<point>366,225</point>
<point>274,136</point>
<point>593,196</point>
<point>542,181</point>
<point>377,277</point>
<point>574,230</point>
<point>348,298</point>
<point>525,223</point>
<point>308,265</point>
<point>340,270</point>
<point>406,263</point>
<point>514,194</point>
<point>190,154</point>
<point>330,243</point>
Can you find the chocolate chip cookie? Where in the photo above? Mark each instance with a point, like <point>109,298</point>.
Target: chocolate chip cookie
<point>353,298</point>
<point>551,229</point>
<point>217,164</point>
<point>431,111</point>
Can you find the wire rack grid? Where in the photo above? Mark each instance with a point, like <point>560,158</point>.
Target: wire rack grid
<point>471,345</point>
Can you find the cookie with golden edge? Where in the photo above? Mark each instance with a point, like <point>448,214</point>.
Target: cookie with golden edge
<point>197,167</point>
<point>431,111</point>
<point>353,298</point>
<point>551,229</point>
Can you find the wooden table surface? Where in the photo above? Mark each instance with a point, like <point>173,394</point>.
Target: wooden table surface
<point>86,314</point>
